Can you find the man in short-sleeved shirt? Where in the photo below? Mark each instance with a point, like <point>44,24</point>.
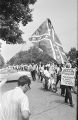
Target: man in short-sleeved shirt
<point>14,103</point>
<point>1,85</point>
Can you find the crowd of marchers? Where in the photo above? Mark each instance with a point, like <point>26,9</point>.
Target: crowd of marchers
<point>50,75</point>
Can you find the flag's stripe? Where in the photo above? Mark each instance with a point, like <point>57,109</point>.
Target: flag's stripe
<point>58,57</point>
<point>56,39</point>
<point>54,55</point>
<point>52,34</point>
<point>61,49</point>
<point>64,56</point>
<point>58,44</point>
<point>36,38</point>
<point>61,56</point>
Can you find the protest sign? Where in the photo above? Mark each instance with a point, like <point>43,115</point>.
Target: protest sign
<point>68,77</point>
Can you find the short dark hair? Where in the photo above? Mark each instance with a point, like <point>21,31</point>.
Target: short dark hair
<point>24,80</point>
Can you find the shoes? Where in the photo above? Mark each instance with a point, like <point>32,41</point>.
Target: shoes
<point>75,92</point>
<point>72,105</point>
<point>66,102</point>
<point>63,95</point>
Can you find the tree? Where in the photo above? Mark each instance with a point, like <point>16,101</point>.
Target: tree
<point>72,55</point>
<point>12,12</point>
<point>1,61</point>
<point>30,56</point>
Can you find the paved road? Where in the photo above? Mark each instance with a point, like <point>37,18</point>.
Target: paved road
<point>45,105</point>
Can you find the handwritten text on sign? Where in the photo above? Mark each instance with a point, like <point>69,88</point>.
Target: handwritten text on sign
<point>68,77</point>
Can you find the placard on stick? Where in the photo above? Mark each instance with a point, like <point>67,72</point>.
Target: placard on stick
<point>68,77</point>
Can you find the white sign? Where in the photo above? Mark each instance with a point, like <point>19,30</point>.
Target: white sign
<point>68,77</point>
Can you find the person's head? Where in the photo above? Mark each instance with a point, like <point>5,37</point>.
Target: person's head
<point>24,82</point>
<point>68,65</point>
<point>45,68</point>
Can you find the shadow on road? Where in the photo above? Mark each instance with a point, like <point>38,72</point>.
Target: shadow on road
<point>59,101</point>
<point>52,93</point>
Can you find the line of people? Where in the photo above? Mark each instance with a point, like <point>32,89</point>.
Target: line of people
<point>50,76</point>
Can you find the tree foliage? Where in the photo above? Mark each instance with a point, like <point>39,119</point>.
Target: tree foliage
<point>30,56</point>
<point>12,12</point>
<point>72,55</point>
<point>1,61</point>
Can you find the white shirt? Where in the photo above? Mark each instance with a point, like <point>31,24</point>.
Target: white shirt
<point>41,69</point>
<point>51,70</point>
<point>46,73</point>
<point>2,82</point>
<point>13,103</point>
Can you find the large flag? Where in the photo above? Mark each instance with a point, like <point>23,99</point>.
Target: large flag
<point>46,39</point>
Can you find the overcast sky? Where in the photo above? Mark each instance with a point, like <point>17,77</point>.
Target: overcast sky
<point>63,15</point>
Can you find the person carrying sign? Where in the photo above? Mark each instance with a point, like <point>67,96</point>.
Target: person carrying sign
<point>68,75</point>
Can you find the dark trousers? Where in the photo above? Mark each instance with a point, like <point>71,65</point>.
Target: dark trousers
<point>41,76</point>
<point>58,79</point>
<point>62,89</point>
<point>33,74</point>
<point>46,82</point>
<point>68,95</point>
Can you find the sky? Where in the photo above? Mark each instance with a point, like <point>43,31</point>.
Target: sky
<point>63,15</point>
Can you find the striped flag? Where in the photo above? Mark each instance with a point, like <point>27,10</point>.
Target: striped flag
<point>46,39</point>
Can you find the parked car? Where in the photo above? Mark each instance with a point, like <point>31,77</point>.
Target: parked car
<point>13,75</point>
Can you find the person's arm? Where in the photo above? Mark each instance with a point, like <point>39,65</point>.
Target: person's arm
<point>25,108</point>
<point>3,82</point>
<point>25,115</point>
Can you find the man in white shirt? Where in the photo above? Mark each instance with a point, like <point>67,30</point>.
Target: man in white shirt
<point>14,103</point>
<point>2,82</point>
<point>46,80</point>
